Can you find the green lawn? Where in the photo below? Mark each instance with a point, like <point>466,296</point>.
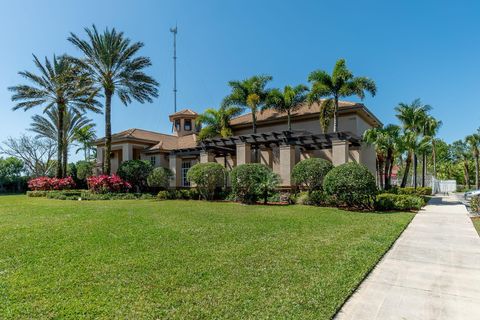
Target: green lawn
<point>183,259</point>
<point>476,223</point>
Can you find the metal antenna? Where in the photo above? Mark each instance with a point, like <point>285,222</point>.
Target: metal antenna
<point>174,31</point>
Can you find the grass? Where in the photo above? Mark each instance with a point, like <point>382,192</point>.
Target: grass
<point>476,223</point>
<point>142,259</point>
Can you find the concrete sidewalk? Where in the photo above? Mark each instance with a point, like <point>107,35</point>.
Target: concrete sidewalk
<point>432,271</point>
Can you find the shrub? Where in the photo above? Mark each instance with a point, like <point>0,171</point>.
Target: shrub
<point>419,191</point>
<point>352,185</point>
<point>84,169</point>
<point>389,201</point>
<point>163,195</point>
<point>159,178</point>
<point>207,177</point>
<point>311,172</point>
<point>268,185</point>
<point>249,181</point>
<point>46,183</point>
<point>475,204</point>
<point>37,193</point>
<point>135,172</point>
<point>107,184</point>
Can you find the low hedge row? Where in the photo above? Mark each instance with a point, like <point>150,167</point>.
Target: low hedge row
<point>419,191</point>
<point>403,202</point>
<point>87,195</point>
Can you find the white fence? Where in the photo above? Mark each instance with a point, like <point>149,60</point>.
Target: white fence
<point>443,186</point>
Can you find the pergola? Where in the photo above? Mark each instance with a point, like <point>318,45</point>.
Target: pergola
<point>303,139</point>
<point>239,149</point>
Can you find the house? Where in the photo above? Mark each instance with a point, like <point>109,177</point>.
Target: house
<point>272,145</point>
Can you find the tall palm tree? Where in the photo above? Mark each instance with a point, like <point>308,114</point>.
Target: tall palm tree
<point>110,59</point>
<point>289,100</point>
<point>462,154</point>
<point>48,127</point>
<point>387,142</point>
<point>249,93</point>
<point>60,85</point>
<point>473,141</point>
<point>341,83</point>
<point>85,136</point>
<point>412,116</point>
<point>217,122</point>
<point>431,127</point>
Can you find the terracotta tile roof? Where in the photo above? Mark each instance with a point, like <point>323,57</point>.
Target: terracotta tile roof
<point>305,110</point>
<point>188,141</point>
<point>185,113</point>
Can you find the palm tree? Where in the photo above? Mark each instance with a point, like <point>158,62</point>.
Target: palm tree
<point>48,127</point>
<point>85,136</point>
<point>341,83</point>
<point>60,84</point>
<point>462,154</point>
<point>217,122</point>
<point>473,141</point>
<point>111,61</point>
<point>288,100</point>
<point>412,116</point>
<point>387,144</point>
<point>431,127</point>
<point>249,93</point>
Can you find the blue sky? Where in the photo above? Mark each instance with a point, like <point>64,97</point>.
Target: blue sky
<point>426,49</point>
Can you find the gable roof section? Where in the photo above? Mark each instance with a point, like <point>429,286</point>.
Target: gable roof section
<point>305,110</point>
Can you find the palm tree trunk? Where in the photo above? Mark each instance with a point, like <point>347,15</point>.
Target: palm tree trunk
<point>61,113</point>
<point>288,120</point>
<point>424,168</point>
<point>86,152</point>
<point>254,124</point>
<point>108,132</point>
<point>381,173</point>
<point>388,169</point>
<point>65,157</point>
<point>434,159</point>
<point>476,171</point>
<point>407,170</point>
<point>466,173</point>
<point>335,116</point>
<point>415,166</point>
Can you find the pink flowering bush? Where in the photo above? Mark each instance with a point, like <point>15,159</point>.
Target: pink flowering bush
<point>46,184</point>
<point>106,184</point>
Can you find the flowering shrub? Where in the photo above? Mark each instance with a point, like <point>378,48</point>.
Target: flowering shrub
<point>106,184</point>
<point>46,183</point>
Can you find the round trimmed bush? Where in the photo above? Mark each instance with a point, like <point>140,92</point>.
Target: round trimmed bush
<point>160,178</point>
<point>207,177</point>
<point>352,185</point>
<point>135,172</point>
<point>311,172</point>
<point>252,181</point>
<point>84,169</point>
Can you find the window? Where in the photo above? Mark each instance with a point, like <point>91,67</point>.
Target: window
<point>177,125</point>
<point>187,125</point>
<point>186,165</point>
<point>153,160</point>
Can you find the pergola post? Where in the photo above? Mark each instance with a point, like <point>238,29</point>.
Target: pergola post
<point>206,157</point>
<point>244,153</point>
<point>175,164</point>
<point>287,162</point>
<point>339,152</point>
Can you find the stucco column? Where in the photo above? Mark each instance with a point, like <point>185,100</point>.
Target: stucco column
<point>287,162</point>
<point>339,152</point>
<point>368,157</point>
<point>206,157</point>
<point>175,165</point>
<point>266,157</point>
<point>244,153</point>
<point>127,152</point>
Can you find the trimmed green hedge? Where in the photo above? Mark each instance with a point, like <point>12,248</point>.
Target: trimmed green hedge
<point>351,185</point>
<point>253,181</point>
<point>207,177</point>
<point>403,202</point>
<point>87,195</point>
<point>311,172</point>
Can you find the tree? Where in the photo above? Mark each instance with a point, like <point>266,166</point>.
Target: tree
<point>135,172</point>
<point>387,144</point>
<point>249,93</point>
<point>431,127</point>
<point>462,155</point>
<point>217,122</point>
<point>341,83</point>
<point>111,61</point>
<point>48,127</point>
<point>412,117</point>
<point>60,84</point>
<point>85,136</point>
<point>473,141</point>
<point>10,170</point>
<point>288,100</point>
<point>36,154</point>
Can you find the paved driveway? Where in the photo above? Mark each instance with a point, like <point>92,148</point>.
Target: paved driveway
<point>432,271</point>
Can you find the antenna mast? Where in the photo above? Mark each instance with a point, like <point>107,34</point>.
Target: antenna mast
<point>174,31</point>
